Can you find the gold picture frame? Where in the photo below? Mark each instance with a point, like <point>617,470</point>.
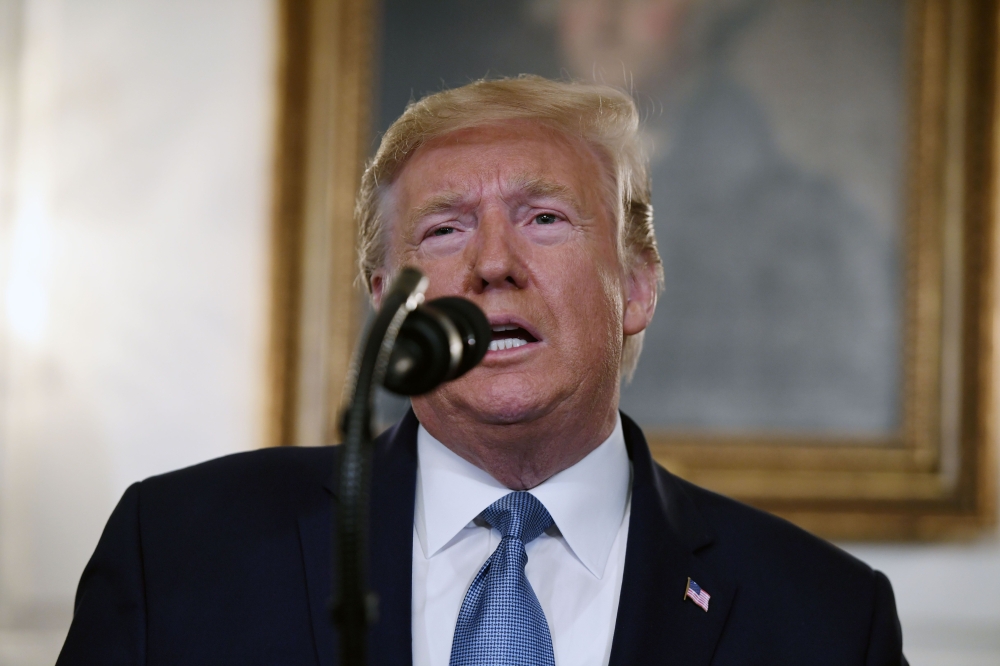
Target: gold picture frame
<point>324,82</point>
<point>934,478</point>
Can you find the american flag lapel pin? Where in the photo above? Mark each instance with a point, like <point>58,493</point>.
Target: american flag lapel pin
<point>697,595</point>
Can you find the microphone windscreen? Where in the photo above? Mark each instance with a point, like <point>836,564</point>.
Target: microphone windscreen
<point>439,341</point>
<point>472,326</point>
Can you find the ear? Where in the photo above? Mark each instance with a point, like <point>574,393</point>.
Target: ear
<point>641,294</point>
<point>378,287</point>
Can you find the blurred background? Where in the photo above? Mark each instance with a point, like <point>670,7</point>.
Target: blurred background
<point>137,152</point>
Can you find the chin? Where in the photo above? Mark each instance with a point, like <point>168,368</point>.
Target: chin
<point>502,400</point>
<point>508,413</point>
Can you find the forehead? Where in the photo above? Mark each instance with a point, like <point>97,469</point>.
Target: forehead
<point>499,156</point>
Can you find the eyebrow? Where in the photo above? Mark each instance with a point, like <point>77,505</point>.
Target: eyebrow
<point>528,187</point>
<point>439,203</point>
<point>539,188</point>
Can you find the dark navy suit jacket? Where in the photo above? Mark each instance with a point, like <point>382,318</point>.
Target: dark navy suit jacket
<point>228,562</point>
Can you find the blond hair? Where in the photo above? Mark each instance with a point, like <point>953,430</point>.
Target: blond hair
<point>604,117</point>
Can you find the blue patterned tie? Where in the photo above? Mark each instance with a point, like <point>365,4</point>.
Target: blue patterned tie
<point>501,622</point>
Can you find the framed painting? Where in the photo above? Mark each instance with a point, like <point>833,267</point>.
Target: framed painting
<point>823,188</point>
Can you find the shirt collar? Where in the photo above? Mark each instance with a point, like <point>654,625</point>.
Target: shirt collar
<point>586,501</point>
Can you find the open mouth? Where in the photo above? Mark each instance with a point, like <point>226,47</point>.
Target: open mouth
<point>509,336</point>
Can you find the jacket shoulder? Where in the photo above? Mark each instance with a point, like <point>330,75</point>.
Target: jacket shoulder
<point>755,539</point>
<point>251,483</point>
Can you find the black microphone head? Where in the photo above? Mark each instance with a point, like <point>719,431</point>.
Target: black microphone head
<point>473,328</point>
<point>438,341</point>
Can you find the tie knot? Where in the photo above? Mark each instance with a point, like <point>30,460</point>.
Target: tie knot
<point>519,515</point>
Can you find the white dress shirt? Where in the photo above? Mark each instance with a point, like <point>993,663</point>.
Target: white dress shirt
<point>575,567</point>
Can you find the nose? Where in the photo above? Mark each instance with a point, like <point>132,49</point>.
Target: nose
<point>497,261</point>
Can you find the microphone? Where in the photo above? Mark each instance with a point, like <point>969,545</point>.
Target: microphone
<point>410,348</point>
<point>438,342</point>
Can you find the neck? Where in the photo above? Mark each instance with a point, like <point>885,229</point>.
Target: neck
<point>522,454</point>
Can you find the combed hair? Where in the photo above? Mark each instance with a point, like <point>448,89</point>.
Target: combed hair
<point>604,117</point>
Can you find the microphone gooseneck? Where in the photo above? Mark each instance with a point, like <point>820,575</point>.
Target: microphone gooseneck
<point>411,348</point>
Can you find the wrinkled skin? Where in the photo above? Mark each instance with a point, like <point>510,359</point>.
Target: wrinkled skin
<point>514,217</point>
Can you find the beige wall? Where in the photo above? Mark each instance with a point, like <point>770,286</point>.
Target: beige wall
<point>134,173</point>
<point>135,178</point>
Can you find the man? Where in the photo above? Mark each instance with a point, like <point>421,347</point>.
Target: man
<point>516,516</point>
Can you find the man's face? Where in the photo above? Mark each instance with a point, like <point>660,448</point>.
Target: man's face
<point>514,217</point>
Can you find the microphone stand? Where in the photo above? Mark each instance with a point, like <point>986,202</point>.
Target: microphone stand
<point>356,607</point>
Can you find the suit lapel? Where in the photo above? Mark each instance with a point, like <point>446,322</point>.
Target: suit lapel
<point>393,491</point>
<point>390,553</point>
<point>655,624</point>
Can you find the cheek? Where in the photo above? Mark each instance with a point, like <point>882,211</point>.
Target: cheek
<point>445,273</point>
<point>614,292</point>
<point>591,297</point>
<point>613,305</point>
<point>428,257</point>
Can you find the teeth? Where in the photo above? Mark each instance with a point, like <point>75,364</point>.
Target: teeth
<point>498,329</point>
<point>506,343</point>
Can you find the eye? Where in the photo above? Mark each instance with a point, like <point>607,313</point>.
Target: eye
<point>546,218</point>
<point>443,231</point>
